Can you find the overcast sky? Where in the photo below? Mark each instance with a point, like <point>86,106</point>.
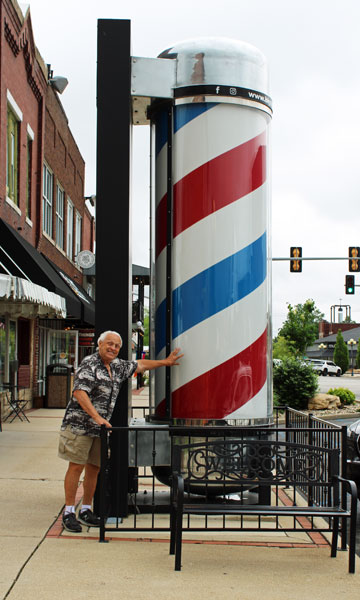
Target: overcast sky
<point>313,50</point>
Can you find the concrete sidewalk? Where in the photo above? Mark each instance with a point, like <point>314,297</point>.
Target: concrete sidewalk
<point>38,561</point>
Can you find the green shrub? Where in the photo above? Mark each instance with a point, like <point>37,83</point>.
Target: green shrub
<point>346,396</point>
<point>294,383</point>
<point>276,401</point>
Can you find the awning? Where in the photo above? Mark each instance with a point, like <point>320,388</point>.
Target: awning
<point>138,273</point>
<point>87,303</point>
<point>20,259</point>
<point>29,299</point>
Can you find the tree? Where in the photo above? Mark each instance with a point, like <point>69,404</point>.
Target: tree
<point>295,383</point>
<point>283,348</point>
<point>341,352</point>
<point>301,326</point>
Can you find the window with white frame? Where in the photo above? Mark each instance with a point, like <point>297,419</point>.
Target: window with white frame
<point>59,216</point>
<point>78,228</point>
<point>12,157</point>
<point>48,189</point>
<point>29,176</point>
<point>69,229</point>
<point>29,148</point>
<point>14,118</point>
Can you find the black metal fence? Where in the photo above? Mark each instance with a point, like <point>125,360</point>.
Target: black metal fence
<point>149,471</point>
<point>321,434</point>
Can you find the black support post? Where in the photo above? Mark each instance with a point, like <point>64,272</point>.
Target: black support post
<point>113,219</point>
<point>168,408</point>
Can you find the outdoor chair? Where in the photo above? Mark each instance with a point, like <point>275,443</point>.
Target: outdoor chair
<point>15,395</point>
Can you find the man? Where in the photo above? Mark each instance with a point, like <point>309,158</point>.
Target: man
<point>96,387</point>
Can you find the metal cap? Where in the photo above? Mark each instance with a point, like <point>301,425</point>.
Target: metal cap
<point>219,61</point>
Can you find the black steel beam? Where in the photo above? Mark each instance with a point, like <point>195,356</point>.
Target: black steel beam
<point>113,214</point>
<point>168,407</point>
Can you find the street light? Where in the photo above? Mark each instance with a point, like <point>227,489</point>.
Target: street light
<point>352,343</point>
<point>92,199</point>
<point>322,347</point>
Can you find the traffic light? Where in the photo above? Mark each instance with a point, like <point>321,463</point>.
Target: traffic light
<point>137,311</point>
<point>295,265</point>
<point>349,284</point>
<point>354,265</point>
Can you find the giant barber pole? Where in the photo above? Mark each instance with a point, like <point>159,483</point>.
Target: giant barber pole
<point>216,134</point>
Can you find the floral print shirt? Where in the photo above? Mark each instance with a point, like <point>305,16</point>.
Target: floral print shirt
<point>93,378</point>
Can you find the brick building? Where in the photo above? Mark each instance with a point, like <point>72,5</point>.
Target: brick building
<point>44,221</point>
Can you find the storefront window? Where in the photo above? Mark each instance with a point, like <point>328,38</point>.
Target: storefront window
<point>55,346</point>
<point>12,340</point>
<point>43,345</point>
<point>2,350</point>
<point>63,345</point>
<point>7,347</point>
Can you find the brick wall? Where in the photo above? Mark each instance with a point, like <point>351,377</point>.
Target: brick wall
<point>63,158</point>
<point>23,77</point>
<point>326,328</point>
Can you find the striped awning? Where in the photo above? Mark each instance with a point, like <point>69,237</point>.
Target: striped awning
<point>17,294</point>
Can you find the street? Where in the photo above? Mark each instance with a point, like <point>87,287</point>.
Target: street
<point>346,381</point>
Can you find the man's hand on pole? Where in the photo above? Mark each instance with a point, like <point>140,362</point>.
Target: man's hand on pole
<point>169,361</point>
<point>173,358</point>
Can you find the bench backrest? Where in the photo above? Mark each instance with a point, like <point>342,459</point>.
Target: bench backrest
<point>244,461</point>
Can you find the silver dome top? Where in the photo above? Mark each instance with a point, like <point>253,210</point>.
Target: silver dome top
<point>219,61</point>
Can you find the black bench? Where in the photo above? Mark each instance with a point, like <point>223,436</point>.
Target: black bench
<point>205,473</point>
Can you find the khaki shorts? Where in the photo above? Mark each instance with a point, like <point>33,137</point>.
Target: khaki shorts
<point>80,449</point>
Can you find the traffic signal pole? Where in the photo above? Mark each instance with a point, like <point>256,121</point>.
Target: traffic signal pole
<point>313,258</point>
<point>296,256</point>
<point>296,259</point>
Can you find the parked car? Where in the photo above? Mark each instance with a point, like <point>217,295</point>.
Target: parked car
<point>325,367</point>
<point>353,452</point>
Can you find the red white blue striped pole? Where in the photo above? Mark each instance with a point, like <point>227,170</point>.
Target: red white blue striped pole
<point>220,278</point>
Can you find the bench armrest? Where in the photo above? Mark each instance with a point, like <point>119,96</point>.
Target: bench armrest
<point>351,489</point>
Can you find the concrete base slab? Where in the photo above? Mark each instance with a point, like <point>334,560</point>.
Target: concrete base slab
<point>28,508</point>
<point>15,552</point>
<point>87,570</point>
<point>226,565</point>
<point>34,457</point>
